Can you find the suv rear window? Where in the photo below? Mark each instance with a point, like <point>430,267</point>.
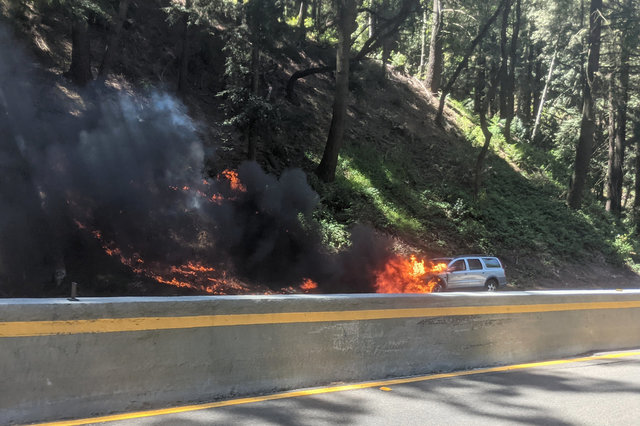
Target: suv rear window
<point>491,262</point>
<point>474,264</point>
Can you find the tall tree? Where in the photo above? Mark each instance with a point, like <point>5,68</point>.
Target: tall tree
<point>543,97</point>
<point>636,200</point>
<point>524,99</point>
<point>80,68</point>
<point>463,63</point>
<point>115,31</point>
<point>423,43</point>
<point>612,197</point>
<point>184,56</point>
<point>302,16</point>
<point>346,24</point>
<point>588,125</point>
<point>435,64</point>
<point>504,60</point>
<point>511,74</point>
<point>619,90</point>
<point>480,99</point>
<point>256,26</point>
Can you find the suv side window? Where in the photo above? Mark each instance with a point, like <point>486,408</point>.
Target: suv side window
<point>492,262</point>
<point>474,264</point>
<point>458,265</point>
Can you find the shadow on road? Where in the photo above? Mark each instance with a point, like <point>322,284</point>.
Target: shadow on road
<point>542,395</point>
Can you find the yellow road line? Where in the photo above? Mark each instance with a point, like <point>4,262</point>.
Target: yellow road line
<point>317,391</point>
<point>112,325</point>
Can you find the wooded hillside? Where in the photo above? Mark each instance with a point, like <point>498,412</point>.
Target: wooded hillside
<point>444,126</point>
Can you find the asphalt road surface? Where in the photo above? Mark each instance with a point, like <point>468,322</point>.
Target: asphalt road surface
<point>602,389</point>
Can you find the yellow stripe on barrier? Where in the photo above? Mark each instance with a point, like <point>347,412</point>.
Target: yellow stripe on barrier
<point>114,325</point>
<point>318,391</point>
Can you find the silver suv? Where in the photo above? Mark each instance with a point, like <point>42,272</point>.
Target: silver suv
<point>469,271</point>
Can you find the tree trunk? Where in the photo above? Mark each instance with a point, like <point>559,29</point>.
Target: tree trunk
<point>544,95</point>
<point>184,59</point>
<point>252,134</point>
<point>255,68</point>
<point>114,39</point>
<point>478,96</point>
<point>619,143</point>
<point>315,15</point>
<point>387,46</point>
<point>465,60</point>
<point>346,13</point>
<point>423,44</point>
<point>251,142</point>
<point>302,16</point>
<point>513,55</point>
<point>80,69</point>
<point>524,104</point>
<point>538,80</point>
<point>435,65</point>
<point>636,200</point>
<point>372,24</point>
<point>612,196</point>
<point>504,60</point>
<point>480,102</point>
<point>587,127</point>
<point>483,152</point>
<point>494,84</point>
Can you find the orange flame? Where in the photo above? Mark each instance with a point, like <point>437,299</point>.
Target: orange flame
<point>230,175</point>
<point>191,268</point>
<point>308,285</point>
<point>193,275</point>
<point>234,181</point>
<point>402,275</point>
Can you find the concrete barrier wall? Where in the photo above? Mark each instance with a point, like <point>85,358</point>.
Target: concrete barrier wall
<point>61,359</point>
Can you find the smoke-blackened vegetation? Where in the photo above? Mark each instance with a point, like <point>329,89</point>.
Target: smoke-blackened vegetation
<point>88,189</point>
<point>107,168</point>
<point>122,178</point>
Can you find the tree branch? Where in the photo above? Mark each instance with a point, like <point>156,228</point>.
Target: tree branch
<point>483,31</point>
<point>389,27</point>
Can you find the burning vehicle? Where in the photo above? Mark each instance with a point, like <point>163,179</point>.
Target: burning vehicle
<point>410,275</point>
<point>470,271</point>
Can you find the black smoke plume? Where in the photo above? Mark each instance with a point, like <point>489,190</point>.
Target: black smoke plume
<point>96,170</point>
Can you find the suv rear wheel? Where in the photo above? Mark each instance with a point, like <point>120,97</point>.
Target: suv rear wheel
<point>491,284</point>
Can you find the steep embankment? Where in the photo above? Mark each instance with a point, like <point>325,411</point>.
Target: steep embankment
<point>398,172</point>
<point>409,177</point>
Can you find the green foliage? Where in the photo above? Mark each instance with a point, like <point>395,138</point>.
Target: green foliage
<point>244,109</point>
<point>263,21</point>
<point>81,8</point>
<point>399,60</point>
